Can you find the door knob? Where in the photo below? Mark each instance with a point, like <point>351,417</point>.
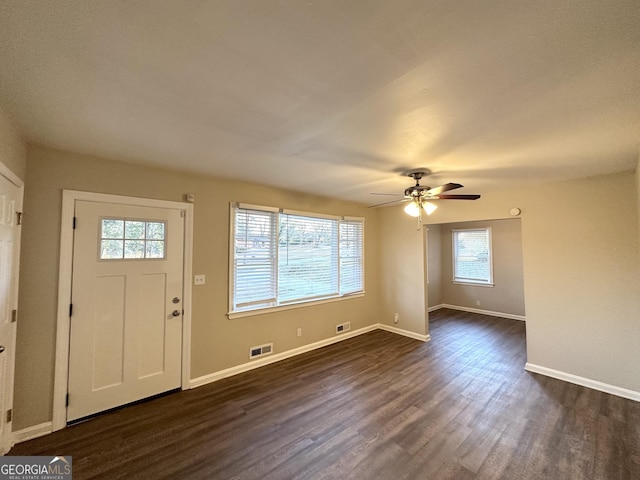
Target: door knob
<point>176,313</point>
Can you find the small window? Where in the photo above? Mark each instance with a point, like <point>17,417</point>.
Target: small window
<point>472,262</point>
<point>122,239</point>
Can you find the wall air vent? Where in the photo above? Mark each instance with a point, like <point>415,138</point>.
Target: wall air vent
<point>343,327</point>
<point>260,351</point>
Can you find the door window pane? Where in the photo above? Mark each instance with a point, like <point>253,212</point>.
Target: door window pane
<point>112,228</point>
<point>133,230</point>
<point>131,239</point>
<point>111,249</point>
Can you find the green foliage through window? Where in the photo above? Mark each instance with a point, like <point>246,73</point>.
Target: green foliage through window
<point>131,239</point>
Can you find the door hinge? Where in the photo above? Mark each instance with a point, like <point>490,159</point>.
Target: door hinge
<point>70,309</point>
<point>14,316</point>
<point>183,213</point>
<point>66,400</point>
<point>18,218</point>
<point>9,415</point>
<point>74,223</point>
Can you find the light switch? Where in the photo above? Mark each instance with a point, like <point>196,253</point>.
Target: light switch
<point>199,280</point>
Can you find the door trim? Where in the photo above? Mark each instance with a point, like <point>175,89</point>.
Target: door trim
<point>63,328</point>
<point>7,173</point>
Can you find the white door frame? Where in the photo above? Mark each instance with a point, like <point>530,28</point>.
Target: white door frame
<point>17,181</point>
<point>63,329</point>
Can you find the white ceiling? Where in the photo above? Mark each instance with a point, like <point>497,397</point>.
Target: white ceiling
<point>335,97</point>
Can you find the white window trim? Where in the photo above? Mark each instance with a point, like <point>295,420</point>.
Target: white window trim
<point>307,303</point>
<point>232,314</point>
<point>471,282</point>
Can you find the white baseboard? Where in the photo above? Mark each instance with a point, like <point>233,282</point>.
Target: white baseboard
<point>405,333</point>
<point>584,382</point>
<point>46,428</point>
<point>30,433</point>
<point>245,367</point>
<point>481,312</point>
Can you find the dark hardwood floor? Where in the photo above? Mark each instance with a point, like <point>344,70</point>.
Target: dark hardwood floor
<point>378,406</point>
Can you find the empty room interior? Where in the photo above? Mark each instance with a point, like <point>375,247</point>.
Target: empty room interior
<point>322,239</point>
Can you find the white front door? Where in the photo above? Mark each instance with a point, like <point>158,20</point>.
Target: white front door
<point>126,313</point>
<point>10,204</point>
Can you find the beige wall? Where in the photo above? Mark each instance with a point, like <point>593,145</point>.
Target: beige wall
<point>402,271</point>
<point>582,278</point>
<point>581,261</point>
<point>581,266</point>
<point>507,295</point>
<point>434,265</point>
<point>13,151</point>
<point>638,191</point>
<point>217,342</point>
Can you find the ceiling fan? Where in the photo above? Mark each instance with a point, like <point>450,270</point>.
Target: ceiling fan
<point>420,196</point>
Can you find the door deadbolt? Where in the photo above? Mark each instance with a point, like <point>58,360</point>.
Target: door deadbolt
<point>176,300</point>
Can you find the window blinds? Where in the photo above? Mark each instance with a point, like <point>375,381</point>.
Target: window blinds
<point>351,256</point>
<point>255,272</point>
<point>281,258</point>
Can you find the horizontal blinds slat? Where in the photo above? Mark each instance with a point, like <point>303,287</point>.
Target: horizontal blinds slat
<point>248,206</point>
<point>298,214</point>
<point>254,258</point>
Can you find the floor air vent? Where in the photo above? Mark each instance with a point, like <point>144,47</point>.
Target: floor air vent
<point>260,351</point>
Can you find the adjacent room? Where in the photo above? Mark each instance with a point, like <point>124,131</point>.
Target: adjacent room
<point>283,239</point>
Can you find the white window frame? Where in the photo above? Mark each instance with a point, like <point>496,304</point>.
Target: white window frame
<point>268,307</point>
<point>454,254</point>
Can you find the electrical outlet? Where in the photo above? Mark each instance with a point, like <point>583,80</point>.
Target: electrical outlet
<point>396,318</point>
<point>299,332</point>
<point>477,303</point>
<point>199,280</point>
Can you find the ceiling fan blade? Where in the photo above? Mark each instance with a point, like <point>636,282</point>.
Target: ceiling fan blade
<point>390,194</point>
<point>444,188</point>
<point>454,197</point>
<point>389,203</point>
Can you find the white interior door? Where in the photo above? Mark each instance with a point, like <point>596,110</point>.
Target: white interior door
<point>10,204</point>
<point>126,322</point>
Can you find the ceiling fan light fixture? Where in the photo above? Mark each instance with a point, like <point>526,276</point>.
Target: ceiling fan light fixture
<point>429,207</point>
<point>412,208</point>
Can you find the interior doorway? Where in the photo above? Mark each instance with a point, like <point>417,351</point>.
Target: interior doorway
<point>505,298</point>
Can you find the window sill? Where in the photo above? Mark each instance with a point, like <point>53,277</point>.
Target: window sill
<point>473,284</point>
<point>279,308</point>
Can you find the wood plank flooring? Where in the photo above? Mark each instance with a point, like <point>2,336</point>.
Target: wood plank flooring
<point>378,406</point>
